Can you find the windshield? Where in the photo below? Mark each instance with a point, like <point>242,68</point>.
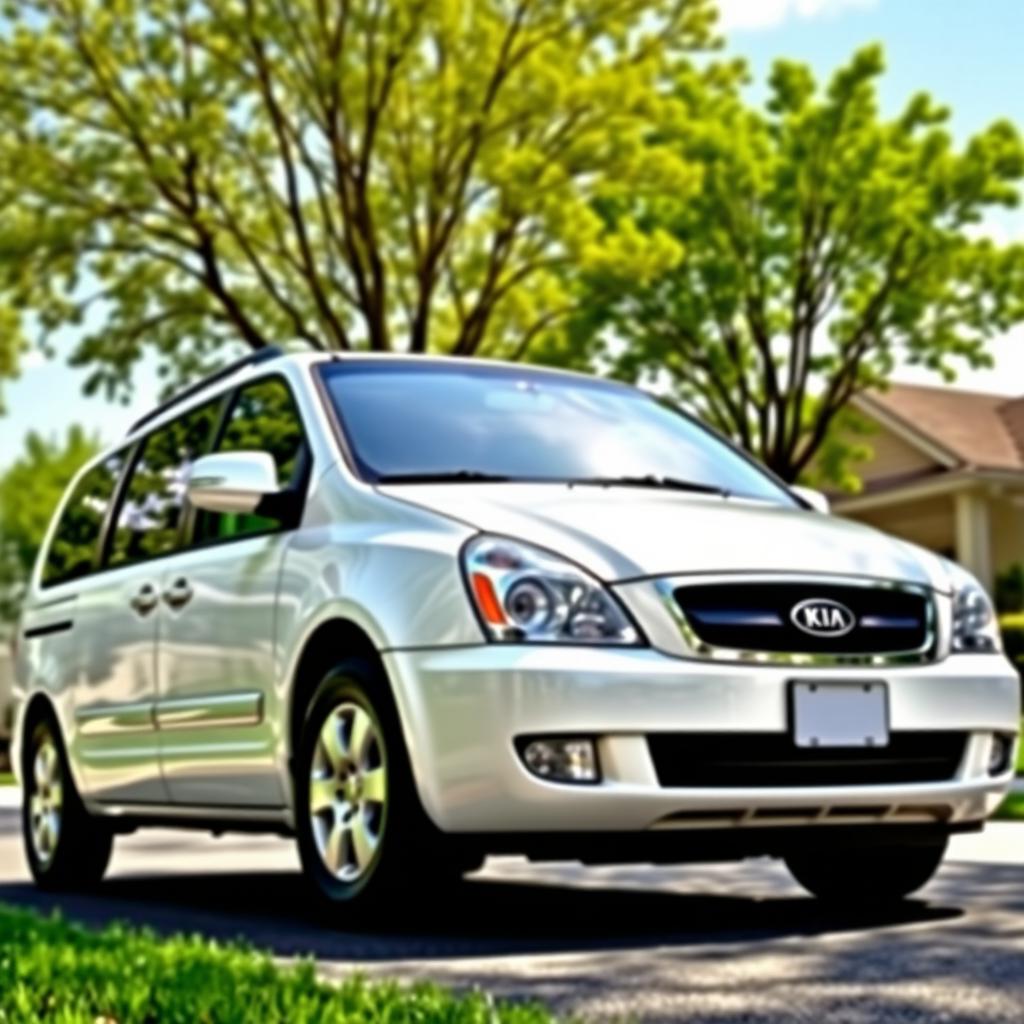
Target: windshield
<point>409,422</point>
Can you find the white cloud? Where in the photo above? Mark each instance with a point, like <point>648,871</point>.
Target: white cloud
<point>1005,378</point>
<point>759,14</point>
<point>31,359</point>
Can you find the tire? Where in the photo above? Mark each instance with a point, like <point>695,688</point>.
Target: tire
<point>65,846</point>
<point>363,837</point>
<point>867,875</point>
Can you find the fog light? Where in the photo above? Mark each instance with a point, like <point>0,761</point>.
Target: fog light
<point>1000,753</point>
<point>562,760</point>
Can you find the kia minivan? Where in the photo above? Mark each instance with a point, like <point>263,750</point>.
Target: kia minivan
<point>415,611</point>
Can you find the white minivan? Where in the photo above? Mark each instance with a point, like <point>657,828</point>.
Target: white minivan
<point>416,611</point>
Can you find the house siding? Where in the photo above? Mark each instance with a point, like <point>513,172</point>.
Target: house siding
<point>1007,532</point>
<point>930,523</point>
<point>892,457</point>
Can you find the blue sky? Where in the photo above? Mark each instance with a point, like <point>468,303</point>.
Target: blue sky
<point>967,53</point>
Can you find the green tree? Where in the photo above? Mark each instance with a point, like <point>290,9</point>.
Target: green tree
<point>388,174</point>
<point>826,246</point>
<point>30,490</point>
<point>11,344</point>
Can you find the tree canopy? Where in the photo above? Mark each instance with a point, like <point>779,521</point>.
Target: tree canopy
<point>30,490</point>
<point>563,181</point>
<point>374,174</point>
<point>826,246</point>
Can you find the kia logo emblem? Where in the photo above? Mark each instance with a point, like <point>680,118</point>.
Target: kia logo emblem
<point>820,617</point>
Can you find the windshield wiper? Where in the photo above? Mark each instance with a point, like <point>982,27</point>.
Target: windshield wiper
<point>664,483</point>
<point>476,476</point>
<point>455,476</point>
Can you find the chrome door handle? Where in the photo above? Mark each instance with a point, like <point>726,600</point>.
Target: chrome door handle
<point>178,594</point>
<point>145,600</point>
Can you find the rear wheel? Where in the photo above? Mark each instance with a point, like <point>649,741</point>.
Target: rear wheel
<point>363,837</point>
<point>867,875</point>
<point>66,847</point>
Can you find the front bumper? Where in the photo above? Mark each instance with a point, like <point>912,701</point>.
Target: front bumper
<point>463,708</point>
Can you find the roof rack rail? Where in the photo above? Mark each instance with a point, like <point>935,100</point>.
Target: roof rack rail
<point>261,355</point>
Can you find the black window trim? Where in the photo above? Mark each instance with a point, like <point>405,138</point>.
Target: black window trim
<point>139,447</point>
<point>185,542</point>
<point>297,490</point>
<point>130,452</point>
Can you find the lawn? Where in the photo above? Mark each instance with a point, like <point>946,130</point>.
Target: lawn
<point>1012,808</point>
<point>6,779</point>
<point>51,970</point>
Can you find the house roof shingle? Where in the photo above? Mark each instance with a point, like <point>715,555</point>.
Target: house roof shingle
<point>978,430</point>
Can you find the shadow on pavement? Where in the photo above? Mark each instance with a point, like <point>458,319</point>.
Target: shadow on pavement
<point>477,918</point>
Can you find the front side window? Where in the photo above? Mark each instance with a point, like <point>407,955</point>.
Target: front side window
<point>409,422</point>
<point>264,418</point>
<point>72,551</point>
<point>149,520</point>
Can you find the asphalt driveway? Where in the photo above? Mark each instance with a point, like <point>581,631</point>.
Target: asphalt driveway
<point>710,943</point>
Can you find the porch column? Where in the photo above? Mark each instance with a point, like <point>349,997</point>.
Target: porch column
<point>974,536</point>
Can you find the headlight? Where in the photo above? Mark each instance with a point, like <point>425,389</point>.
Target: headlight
<point>526,595</point>
<point>975,626</point>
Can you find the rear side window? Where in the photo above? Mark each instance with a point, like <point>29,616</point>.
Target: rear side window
<point>149,520</point>
<point>264,418</point>
<point>73,550</point>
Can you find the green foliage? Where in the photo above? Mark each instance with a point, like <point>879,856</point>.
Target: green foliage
<point>826,246</point>
<point>393,175</point>
<point>50,970</point>
<point>11,339</point>
<point>1012,808</point>
<point>1010,589</point>
<point>1012,627</point>
<point>30,490</point>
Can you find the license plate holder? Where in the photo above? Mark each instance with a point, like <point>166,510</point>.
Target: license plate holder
<point>824,714</point>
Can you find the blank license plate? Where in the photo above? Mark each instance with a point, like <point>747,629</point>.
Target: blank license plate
<point>840,714</point>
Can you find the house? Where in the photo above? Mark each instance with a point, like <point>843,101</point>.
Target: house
<point>947,473</point>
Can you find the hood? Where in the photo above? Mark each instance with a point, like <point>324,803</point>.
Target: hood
<point>621,533</point>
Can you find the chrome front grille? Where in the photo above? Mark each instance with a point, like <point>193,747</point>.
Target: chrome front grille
<point>776,620</point>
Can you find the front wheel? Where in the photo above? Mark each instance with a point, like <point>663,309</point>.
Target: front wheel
<point>867,875</point>
<point>66,847</point>
<point>363,836</point>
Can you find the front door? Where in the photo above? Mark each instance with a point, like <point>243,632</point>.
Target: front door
<point>218,705</point>
<point>218,708</point>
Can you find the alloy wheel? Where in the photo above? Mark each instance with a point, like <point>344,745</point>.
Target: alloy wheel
<point>46,800</point>
<point>348,791</point>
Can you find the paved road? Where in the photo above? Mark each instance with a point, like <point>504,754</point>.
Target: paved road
<point>720,944</point>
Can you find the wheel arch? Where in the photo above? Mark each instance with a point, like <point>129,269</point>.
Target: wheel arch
<point>39,705</point>
<point>331,640</point>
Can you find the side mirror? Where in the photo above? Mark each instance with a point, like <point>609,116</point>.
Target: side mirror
<point>232,481</point>
<point>818,501</point>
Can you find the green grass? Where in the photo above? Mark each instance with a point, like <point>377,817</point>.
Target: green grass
<point>6,779</point>
<point>1012,808</point>
<point>51,970</point>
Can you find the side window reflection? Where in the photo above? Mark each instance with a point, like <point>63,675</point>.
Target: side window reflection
<point>150,516</point>
<point>263,419</point>
<point>72,552</point>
